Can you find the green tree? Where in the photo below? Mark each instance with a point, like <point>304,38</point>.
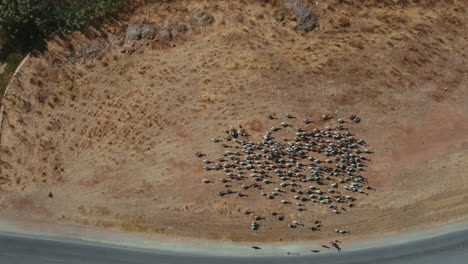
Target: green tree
<point>29,20</point>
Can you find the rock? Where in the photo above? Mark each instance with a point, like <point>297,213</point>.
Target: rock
<point>165,36</point>
<point>181,28</point>
<point>202,19</point>
<point>51,195</point>
<point>171,30</point>
<point>140,32</point>
<point>88,50</point>
<point>344,21</point>
<point>306,20</point>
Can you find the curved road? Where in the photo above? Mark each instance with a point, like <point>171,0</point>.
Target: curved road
<point>448,248</point>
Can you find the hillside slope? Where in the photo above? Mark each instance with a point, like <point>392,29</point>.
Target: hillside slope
<point>102,129</point>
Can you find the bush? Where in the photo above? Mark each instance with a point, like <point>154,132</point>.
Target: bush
<point>30,20</point>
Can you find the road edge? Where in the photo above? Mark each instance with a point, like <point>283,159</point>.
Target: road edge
<point>16,72</point>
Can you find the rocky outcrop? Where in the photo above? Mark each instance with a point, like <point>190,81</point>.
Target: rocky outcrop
<point>140,32</point>
<point>88,50</point>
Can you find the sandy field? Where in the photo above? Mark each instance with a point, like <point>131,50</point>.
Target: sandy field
<point>102,132</point>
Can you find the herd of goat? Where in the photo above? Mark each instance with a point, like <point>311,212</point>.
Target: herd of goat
<point>313,166</point>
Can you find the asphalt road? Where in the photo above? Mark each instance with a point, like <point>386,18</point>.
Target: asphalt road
<point>448,248</point>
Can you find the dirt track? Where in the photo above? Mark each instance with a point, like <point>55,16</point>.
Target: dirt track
<point>113,137</point>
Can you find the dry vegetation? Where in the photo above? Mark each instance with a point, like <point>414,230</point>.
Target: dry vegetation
<point>111,127</point>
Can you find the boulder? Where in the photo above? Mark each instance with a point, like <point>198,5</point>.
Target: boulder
<point>202,19</point>
<point>140,32</point>
<point>306,20</point>
<point>89,49</point>
<point>344,21</point>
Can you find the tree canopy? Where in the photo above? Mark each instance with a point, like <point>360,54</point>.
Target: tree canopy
<point>28,20</point>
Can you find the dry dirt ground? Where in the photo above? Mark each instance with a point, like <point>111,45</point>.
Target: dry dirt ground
<point>95,136</point>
